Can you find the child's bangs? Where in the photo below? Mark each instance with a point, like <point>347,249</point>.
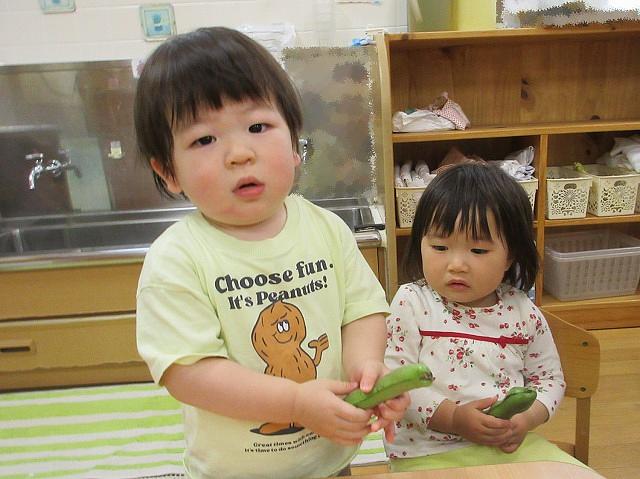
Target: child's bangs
<point>464,215</point>
<point>210,90</point>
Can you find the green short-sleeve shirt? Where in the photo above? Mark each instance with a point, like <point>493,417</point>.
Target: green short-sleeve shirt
<point>275,306</point>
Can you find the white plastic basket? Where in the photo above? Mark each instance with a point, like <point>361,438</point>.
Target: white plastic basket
<point>567,193</point>
<point>591,264</point>
<point>613,190</point>
<point>638,200</point>
<point>530,187</point>
<point>406,202</point>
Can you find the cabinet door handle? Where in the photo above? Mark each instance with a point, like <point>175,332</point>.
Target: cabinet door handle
<point>13,346</point>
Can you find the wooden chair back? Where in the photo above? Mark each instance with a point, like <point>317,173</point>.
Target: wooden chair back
<point>580,357</point>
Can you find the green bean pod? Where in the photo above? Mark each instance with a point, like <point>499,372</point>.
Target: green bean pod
<point>517,400</point>
<point>398,381</point>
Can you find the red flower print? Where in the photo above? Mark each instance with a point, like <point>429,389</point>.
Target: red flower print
<point>460,353</point>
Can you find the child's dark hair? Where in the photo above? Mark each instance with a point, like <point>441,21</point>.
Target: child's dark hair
<point>203,69</point>
<point>469,191</point>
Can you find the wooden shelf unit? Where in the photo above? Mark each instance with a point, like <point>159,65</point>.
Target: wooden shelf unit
<point>566,91</point>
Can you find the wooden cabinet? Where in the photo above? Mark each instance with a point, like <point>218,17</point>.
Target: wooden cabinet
<point>69,351</point>
<point>567,92</point>
<point>70,289</point>
<point>375,260</point>
<point>69,325</point>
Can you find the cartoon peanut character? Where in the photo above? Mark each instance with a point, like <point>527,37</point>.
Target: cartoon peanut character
<point>277,337</point>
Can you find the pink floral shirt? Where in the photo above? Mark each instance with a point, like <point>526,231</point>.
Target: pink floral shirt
<point>473,353</point>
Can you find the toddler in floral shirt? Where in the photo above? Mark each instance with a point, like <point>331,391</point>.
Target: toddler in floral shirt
<point>466,315</point>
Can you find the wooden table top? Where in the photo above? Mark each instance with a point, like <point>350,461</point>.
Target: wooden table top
<point>522,470</point>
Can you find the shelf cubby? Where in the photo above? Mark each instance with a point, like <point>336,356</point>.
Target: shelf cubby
<point>567,91</point>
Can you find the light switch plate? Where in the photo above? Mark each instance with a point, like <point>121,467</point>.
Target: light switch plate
<point>57,6</point>
<point>157,21</point>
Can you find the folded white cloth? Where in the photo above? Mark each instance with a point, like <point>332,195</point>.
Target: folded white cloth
<point>407,176</point>
<point>523,157</point>
<point>422,169</point>
<point>396,176</point>
<point>420,120</point>
<point>515,169</point>
<point>625,153</point>
<point>519,163</point>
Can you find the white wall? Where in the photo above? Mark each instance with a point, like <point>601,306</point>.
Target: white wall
<point>110,29</point>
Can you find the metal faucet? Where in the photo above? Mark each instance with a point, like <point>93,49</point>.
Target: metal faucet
<point>304,144</point>
<point>55,167</point>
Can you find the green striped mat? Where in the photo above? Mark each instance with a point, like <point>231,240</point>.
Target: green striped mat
<point>105,432</point>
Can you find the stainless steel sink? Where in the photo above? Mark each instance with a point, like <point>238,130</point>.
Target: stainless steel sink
<point>124,232</point>
<point>82,237</point>
<point>353,211</point>
<point>84,232</point>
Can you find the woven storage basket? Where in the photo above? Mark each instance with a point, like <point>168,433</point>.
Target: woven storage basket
<point>613,190</point>
<point>406,202</point>
<point>567,193</point>
<point>591,264</point>
<point>530,187</point>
